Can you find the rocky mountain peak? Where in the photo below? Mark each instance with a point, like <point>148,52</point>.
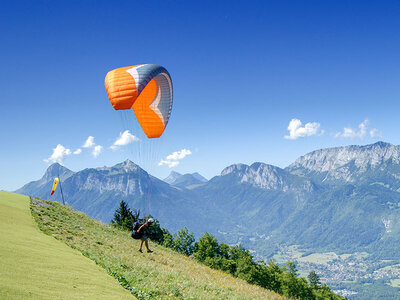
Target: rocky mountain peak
<point>199,177</point>
<point>187,179</point>
<point>346,163</point>
<point>332,158</point>
<point>127,166</point>
<point>236,169</point>
<point>174,174</point>
<point>172,177</point>
<point>260,175</point>
<point>56,170</point>
<point>382,144</point>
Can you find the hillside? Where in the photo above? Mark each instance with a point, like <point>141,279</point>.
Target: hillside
<point>36,266</point>
<point>344,200</point>
<point>162,274</point>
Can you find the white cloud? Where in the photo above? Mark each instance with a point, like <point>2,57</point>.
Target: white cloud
<point>169,163</point>
<point>177,155</point>
<point>124,139</point>
<point>173,159</point>
<point>78,151</point>
<point>59,154</point>
<point>97,150</point>
<point>297,131</point>
<point>350,133</point>
<point>89,142</point>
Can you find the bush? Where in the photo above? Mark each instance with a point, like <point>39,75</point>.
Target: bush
<point>183,242</point>
<point>239,262</point>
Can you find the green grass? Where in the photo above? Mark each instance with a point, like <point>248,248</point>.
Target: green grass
<point>319,258</point>
<point>290,253</point>
<point>163,274</point>
<point>36,266</point>
<point>345,256</point>
<point>391,268</point>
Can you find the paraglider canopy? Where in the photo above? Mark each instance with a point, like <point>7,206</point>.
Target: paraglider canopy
<point>147,89</point>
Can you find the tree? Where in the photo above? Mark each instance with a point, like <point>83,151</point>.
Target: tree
<point>292,268</point>
<point>269,276</point>
<point>247,269</point>
<point>206,247</point>
<point>293,286</point>
<point>183,242</point>
<point>168,240</point>
<point>124,217</point>
<point>314,280</point>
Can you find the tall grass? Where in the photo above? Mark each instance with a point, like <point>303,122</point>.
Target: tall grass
<point>163,274</point>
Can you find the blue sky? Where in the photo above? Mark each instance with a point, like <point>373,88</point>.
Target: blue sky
<point>242,70</point>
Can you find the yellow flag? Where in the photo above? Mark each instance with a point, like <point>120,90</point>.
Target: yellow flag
<point>56,180</point>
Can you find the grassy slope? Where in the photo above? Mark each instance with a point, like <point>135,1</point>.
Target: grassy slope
<point>34,265</point>
<point>163,274</point>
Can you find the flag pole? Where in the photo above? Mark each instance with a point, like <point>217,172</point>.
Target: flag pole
<point>62,195</point>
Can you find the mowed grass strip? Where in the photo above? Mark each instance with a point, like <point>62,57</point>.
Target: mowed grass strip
<point>36,266</point>
<point>163,274</point>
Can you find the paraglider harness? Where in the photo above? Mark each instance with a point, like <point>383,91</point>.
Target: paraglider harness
<point>137,235</point>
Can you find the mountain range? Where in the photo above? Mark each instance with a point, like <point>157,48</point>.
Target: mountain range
<point>342,199</point>
<point>185,180</point>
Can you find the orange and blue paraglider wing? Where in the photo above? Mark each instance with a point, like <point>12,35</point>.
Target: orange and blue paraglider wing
<point>56,180</point>
<point>147,89</point>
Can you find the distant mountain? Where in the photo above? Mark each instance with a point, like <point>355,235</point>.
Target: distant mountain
<point>172,177</point>
<point>248,202</point>
<point>377,163</point>
<point>266,177</point>
<point>43,186</point>
<point>98,192</point>
<point>313,202</point>
<point>186,180</point>
<point>199,177</point>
